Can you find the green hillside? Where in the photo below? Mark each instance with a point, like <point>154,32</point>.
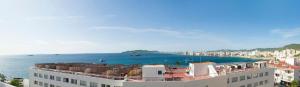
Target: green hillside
<point>292,46</point>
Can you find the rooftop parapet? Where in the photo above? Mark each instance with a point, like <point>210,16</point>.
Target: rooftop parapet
<point>162,72</point>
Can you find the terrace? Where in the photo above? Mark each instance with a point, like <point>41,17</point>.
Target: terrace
<point>134,72</point>
<point>283,65</point>
<point>116,72</point>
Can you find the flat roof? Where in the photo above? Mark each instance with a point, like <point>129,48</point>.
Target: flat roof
<point>154,66</point>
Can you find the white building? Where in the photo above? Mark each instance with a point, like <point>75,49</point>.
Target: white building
<point>205,74</point>
<point>286,72</point>
<point>153,72</point>
<point>287,67</point>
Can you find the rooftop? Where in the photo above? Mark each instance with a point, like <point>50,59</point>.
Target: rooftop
<point>134,72</point>
<point>283,65</point>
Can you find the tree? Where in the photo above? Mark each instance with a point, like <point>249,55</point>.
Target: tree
<point>2,77</point>
<point>15,82</point>
<point>294,83</point>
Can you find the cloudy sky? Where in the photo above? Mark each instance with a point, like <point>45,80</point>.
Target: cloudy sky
<point>93,26</point>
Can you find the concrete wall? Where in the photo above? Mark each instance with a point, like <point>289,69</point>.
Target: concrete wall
<point>199,69</point>
<point>220,81</point>
<point>150,72</point>
<point>88,79</point>
<point>252,81</point>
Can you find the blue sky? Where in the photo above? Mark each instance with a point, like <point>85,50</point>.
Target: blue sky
<point>85,26</point>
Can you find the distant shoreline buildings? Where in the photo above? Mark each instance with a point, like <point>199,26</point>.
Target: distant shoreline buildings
<point>286,62</point>
<point>279,54</point>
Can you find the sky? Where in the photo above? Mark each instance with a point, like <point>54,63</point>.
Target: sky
<point>105,26</point>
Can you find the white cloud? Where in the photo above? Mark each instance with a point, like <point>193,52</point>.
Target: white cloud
<point>191,34</point>
<point>52,18</point>
<point>138,30</point>
<point>287,33</point>
<point>196,38</point>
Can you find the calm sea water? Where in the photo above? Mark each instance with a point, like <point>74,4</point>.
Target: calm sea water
<point>18,65</point>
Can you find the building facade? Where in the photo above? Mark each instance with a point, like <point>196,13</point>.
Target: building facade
<point>206,74</point>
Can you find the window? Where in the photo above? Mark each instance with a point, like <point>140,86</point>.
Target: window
<point>242,86</point>
<point>93,84</point>
<point>288,71</point>
<point>249,85</point>
<point>249,76</point>
<point>66,80</point>
<point>159,72</point>
<point>82,83</point>
<point>45,84</point>
<point>242,78</point>
<point>107,85</point>
<point>261,83</point>
<point>228,81</point>
<point>255,75</point>
<point>58,78</point>
<point>41,83</point>
<point>40,75</point>
<point>234,79</point>
<point>261,74</point>
<point>266,73</point>
<point>45,76</point>
<point>255,84</point>
<point>36,82</point>
<point>73,81</point>
<point>51,85</point>
<point>51,77</point>
<point>35,75</point>
<point>266,81</point>
<point>102,85</point>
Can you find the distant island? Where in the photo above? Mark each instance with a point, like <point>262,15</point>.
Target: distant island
<point>140,52</point>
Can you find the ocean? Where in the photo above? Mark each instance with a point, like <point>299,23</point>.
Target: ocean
<point>18,65</point>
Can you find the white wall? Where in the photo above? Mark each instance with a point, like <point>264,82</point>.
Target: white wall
<point>220,81</point>
<point>89,79</point>
<point>5,85</point>
<point>150,72</point>
<point>199,69</point>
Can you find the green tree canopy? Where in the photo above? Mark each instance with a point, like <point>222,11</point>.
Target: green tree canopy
<point>15,82</point>
<point>294,83</point>
<point>2,77</point>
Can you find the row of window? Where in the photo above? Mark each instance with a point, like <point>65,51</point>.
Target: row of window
<point>67,80</point>
<point>242,78</point>
<point>256,84</point>
<point>45,84</point>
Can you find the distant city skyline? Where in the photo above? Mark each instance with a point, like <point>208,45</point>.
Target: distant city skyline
<point>97,26</point>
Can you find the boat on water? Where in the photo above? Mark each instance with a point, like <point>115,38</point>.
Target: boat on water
<point>102,60</point>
